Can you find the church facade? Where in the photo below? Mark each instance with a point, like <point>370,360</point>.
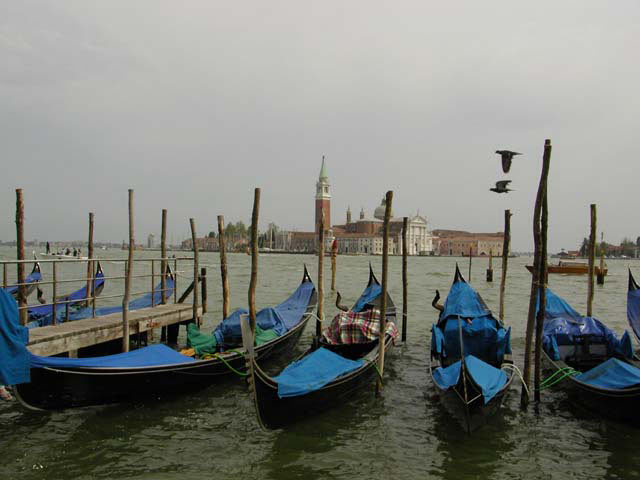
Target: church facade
<point>362,236</point>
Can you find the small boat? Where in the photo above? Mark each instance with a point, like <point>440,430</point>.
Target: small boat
<point>58,383</point>
<point>34,277</point>
<point>587,359</point>
<point>571,268</point>
<point>63,256</point>
<point>38,313</point>
<point>327,374</point>
<point>470,361</point>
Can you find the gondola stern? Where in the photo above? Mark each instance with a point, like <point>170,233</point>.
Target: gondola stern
<point>458,276</point>
<point>632,282</point>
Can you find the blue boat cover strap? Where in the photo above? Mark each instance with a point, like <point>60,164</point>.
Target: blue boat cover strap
<point>487,377</point>
<point>14,356</point>
<point>313,372</point>
<point>612,374</point>
<point>633,311</point>
<point>151,356</point>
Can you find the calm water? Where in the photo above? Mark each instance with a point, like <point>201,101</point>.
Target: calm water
<point>404,434</point>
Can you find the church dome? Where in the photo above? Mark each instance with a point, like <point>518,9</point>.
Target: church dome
<point>379,212</point>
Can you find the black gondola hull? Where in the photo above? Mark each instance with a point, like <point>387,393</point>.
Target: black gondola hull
<point>615,404</point>
<point>475,413</point>
<point>275,412</point>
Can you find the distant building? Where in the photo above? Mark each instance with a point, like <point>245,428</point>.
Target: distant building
<point>151,241</point>
<point>205,244</point>
<point>459,243</point>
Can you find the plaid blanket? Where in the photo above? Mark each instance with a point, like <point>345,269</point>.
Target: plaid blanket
<point>361,327</point>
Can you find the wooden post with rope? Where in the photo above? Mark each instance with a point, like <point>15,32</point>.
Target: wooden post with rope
<point>383,293</point>
<point>535,276</point>
<point>127,280</point>
<point>223,267</point>
<point>600,272</point>
<point>542,292</point>
<point>254,261</point>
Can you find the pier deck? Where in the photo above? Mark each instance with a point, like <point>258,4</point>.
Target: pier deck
<point>70,336</point>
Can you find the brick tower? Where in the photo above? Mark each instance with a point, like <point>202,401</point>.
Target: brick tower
<point>323,199</point>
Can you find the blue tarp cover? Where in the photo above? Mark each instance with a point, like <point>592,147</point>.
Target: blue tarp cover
<point>613,374</point>
<point>633,311</point>
<point>313,372</point>
<point>487,377</point>
<point>369,295</point>
<point>31,278</point>
<point>14,356</point>
<point>557,306</point>
<point>463,301</point>
<point>280,318</point>
<point>563,326</point>
<point>44,310</point>
<point>153,355</point>
<point>142,302</point>
<point>483,336</point>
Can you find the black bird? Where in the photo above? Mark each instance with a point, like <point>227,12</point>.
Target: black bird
<point>501,187</point>
<point>507,156</point>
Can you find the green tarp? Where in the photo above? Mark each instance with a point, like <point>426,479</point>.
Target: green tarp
<point>204,343</point>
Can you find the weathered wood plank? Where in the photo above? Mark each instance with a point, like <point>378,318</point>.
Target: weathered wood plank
<point>67,336</point>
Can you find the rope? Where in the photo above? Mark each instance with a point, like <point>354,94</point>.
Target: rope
<point>227,364</point>
<point>375,365</point>
<point>514,368</point>
<point>563,372</point>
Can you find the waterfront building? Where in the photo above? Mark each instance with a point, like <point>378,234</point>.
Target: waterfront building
<point>460,243</point>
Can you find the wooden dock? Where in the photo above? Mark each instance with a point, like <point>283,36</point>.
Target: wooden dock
<point>70,336</point>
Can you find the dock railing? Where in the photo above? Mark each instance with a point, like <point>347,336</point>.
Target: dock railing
<point>91,297</point>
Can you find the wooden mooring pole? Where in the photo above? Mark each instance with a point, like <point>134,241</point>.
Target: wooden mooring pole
<point>254,261</point>
<point>22,288</point>
<point>163,254</point>
<point>542,292</point>
<point>490,269</point>
<point>470,257</point>
<point>320,275</point>
<point>90,281</point>
<point>535,276</point>
<point>127,281</point>
<point>404,279</point>
<point>505,259</point>
<point>592,255</point>
<point>600,273</point>
<point>383,303</point>
<point>196,317</point>
<point>223,267</point>
<point>334,260</point>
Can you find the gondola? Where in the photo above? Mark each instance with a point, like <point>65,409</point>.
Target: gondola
<point>582,356</point>
<point>38,313</point>
<point>471,389</point>
<point>58,383</point>
<point>330,374</point>
<point>30,282</point>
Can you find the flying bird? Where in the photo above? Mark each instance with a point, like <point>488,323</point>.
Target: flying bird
<point>507,156</point>
<point>501,187</point>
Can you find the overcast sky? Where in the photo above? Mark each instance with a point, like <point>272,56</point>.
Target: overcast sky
<point>195,103</point>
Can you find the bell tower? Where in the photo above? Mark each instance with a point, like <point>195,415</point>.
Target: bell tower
<point>323,199</point>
